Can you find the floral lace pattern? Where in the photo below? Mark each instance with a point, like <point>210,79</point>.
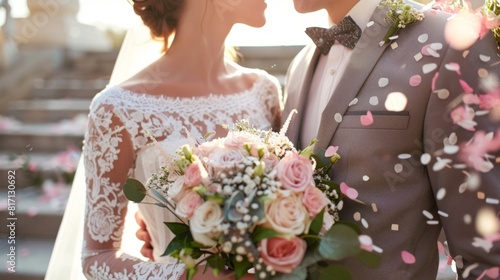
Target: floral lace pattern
<point>119,124</point>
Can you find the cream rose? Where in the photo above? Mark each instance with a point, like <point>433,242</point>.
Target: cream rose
<point>204,221</point>
<point>295,172</point>
<point>286,214</point>
<point>177,190</point>
<point>314,200</point>
<point>186,206</point>
<point>195,174</point>
<point>284,255</point>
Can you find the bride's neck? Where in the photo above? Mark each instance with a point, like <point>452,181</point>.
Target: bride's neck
<point>198,47</point>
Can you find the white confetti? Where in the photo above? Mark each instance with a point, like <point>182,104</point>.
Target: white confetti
<point>452,139</point>
<point>440,164</point>
<point>404,156</point>
<point>395,227</point>
<point>465,53</point>
<point>423,38</point>
<point>462,188</point>
<point>370,23</point>
<point>451,149</point>
<point>378,249</point>
<point>452,66</point>
<point>433,222</point>
<point>373,101</point>
<point>442,93</point>
<point>428,214</point>
<point>433,53</point>
<point>364,223</point>
<point>394,45</point>
<point>484,58</point>
<point>354,102</point>
<point>441,193</point>
<point>460,166</point>
<point>418,56</point>
<point>482,112</point>
<point>357,216</point>
<point>374,207</point>
<point>436,46</point>
<point>492,200</point>
<point>338,117</point>
<point>429,67</point>
<point>366,178</point>
<point>467,219</point>
<point>425,158</point>
<point>398,168</point>
<point>382,82</point>
<point>444,214</point>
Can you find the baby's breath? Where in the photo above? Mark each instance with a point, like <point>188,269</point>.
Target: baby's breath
<point>400,15</point>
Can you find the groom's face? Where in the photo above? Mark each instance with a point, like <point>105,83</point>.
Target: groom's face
<point>308,6</point>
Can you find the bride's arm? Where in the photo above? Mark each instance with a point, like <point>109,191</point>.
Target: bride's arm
<point>108,157</point>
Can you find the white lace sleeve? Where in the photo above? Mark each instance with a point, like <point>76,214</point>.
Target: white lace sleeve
<point>109,159</point>
<point>274,102</point>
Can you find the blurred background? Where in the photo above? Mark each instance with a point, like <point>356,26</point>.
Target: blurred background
<point>55,55</point>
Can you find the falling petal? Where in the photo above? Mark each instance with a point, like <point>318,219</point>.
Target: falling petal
<point>441,194</point>
<point>332,150</point>
<point>466,86</point>
<point>374,207</point>
<point>440,164</point>
<point>428,214</point>
<point>437,46</point>
<point>492,272</point>
<point>482,73</point>
<point>423,38</point>
<point>357,216</point>
<point>407,257</point>
<point>433,223</point>
<point>396,102</point>
<point>398,168</point>
<point>338,117</point>
<point>452,139</point>
<point>486,245</point>
<point>453,66</point>
<point>367,119</point>
<point>354,102</point>
<point>395,227</point>
<point>467,219</point>
<point>366,242</point>
<point>443,214</point>
<point>344,187</point>
<point>427,68</point>
<point>404,156</point>
<point>382,82</point>
<point>364,223</point>
<point>373,101</point>
<point>490,200</point>
<point>471,99</point>
<point>415,80</point>
<point>443,93</point>
<point>366,178</point>
<point>394,45</point>
<point>425,159</point>
<point>418,56</point>
<point>352,193</point>
<point>484,58</point>
<point>434,79</point>
<point>451,149</point>
<point>370,23</point>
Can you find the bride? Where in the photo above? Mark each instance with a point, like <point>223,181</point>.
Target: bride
<point>188,92</point>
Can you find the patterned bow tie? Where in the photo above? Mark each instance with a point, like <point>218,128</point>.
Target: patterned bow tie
<point>347,33</point>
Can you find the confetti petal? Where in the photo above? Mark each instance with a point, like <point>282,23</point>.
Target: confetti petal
<point>443,93</point>
<point>441,194</point>
<point>418,56</point>
<point>434,79</point>
<point>493,272</point>
<point>367,119</point>
<point>354,102</point>
<point>407,257</point>
<point>427,68</point>
<point>425,159</point>
<point>373,101</point>
<point>453,66</point>
<point>382,82</point>
<point>484,58</point>
<point>415,80</point>
<point>423,38</point>
<point>352,193</point>
<point>366,178</point>
<point>344,187</point>
<point>332,150</point>
<point>465,86</point>
<point>338,117</point>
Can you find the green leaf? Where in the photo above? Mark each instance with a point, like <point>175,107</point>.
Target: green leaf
<point>208,134</point>
<point>241,268</point>
<point>261,233</point>
<point>340,242</point>
<point>216,262</point>
<point>370,259</point>
<point>175,246</point>
<point>159,196</point>
<point>178,228</point>
<point>299,273</point>
<point>191,273</point>
<point>335,271</point>
<point>134,190</point>
<point>317,223</point>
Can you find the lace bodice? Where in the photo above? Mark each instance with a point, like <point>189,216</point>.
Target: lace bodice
<point>117,146</point>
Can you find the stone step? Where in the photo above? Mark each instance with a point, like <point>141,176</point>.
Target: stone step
<point>34,169</point>
<point>43,138</point>
<point>68,87</point>
<point>32,258</point>
<point>36,212</point>
<point>50,110</point>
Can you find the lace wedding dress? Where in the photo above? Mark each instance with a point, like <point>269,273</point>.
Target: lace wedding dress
<point>117,147</point>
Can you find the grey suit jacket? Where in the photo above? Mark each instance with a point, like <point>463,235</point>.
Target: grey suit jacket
<point>400,196</point>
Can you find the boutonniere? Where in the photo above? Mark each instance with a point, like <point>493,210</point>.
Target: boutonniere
<point>491,11</point>
<point>400,15</point>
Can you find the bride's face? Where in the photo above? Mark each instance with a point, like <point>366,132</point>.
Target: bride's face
<point>249,12</point>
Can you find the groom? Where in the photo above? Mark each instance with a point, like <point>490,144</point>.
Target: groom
<point>388,109</point>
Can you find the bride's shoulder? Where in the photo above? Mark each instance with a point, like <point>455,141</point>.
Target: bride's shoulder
<point>106,99</point>
<point>259,75</point>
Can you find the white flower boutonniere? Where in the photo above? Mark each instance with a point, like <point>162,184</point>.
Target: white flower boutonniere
<point>401,15</point>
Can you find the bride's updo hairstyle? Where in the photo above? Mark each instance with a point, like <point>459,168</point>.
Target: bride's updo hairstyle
<point>161,16</point>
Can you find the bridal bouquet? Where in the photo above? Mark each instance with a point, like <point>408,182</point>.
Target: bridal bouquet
<point>252,201</point>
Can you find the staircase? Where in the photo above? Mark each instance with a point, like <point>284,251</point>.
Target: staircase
<point>41,139</point>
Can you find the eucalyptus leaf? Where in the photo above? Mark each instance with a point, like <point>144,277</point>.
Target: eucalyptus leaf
<point>340,242</point>
<point>261,233</point>
<point>335,271</point>
<point>134,190</point>
<point>370,259</point>
<point>177,228</point>
<point>299,273</point>
<point>317,223</point>
<point>159,196</point>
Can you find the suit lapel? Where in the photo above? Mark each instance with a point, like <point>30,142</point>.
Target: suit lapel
<point>364,57</point>
<point>298,88</point>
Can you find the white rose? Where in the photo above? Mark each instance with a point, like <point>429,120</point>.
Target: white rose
<point>224,159</point>
<point>204,222</point>
<point>177,190</point>
<point>287,214</point>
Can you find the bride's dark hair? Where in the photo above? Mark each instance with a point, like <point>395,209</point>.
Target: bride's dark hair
<point>161,16</point>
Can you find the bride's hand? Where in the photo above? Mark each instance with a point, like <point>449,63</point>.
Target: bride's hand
<point>143,235</point>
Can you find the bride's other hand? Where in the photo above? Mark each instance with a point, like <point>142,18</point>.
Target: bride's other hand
<point>143,235</point>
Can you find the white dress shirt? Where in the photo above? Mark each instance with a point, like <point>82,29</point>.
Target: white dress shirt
<point>328,73</point>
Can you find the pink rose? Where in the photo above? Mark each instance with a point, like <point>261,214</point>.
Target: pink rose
<point>239,140</point>
<point>270,160</point>
<point>286,214</point>
<point>314,200</point>
<point>295,172</point>
<point>194,175</point>
<point>206,149</point>
<point>224,159</point>
<point>284,255</point>
<point>185,208</point>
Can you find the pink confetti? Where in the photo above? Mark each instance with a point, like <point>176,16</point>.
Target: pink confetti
<point>492,273</point>
<point>415,80</point>
<point>367,119</point>
<point>32,211</point>
<point>471,99</point>
<point>348,191</point>
<point>332,150</point>
<point>407,257</point>
<point>466,86</point>
<point>434,79</point>
<point>453,66</point>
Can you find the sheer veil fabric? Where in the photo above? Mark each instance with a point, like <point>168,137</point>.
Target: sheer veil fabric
<point>137,51</point>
